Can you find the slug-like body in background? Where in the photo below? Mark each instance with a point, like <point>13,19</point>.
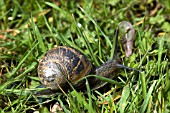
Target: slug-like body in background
<point>127,32</point>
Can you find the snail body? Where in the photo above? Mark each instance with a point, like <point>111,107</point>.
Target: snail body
<point>64,64</point>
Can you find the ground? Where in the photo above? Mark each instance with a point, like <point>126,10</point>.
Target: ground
<point>29,28</point>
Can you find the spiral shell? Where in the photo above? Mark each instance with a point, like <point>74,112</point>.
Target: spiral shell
<point>61,64</point>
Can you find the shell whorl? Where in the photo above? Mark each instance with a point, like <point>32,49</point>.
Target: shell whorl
<point>62,63</point>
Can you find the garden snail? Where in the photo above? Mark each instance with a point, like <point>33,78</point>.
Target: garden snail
<point>62,64</point>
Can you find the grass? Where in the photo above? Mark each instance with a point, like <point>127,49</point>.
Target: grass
<point>29,28</point>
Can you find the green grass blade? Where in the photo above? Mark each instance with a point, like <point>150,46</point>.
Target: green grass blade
<point>87,43</point>
<point>62,105</point>
<point>148,96</point>
<point>23,60</point>
<point>38,36</point>
<point>160,51</point>
<point>108,42</point>
<point>103,79</point>
<point>89,97</point>
<point>17,68</point>
<point>124,98</point>
<point>142,77</point>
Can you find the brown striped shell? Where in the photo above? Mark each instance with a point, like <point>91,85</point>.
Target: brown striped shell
<point>61,64</point>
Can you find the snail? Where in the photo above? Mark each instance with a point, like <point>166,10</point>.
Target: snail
<point>64,64</point>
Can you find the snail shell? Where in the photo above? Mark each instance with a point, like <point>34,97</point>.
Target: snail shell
<point>61,64</point>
